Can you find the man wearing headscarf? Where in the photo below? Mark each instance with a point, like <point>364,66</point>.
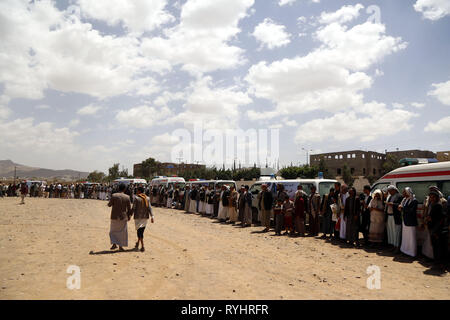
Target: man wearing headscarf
<point>314,211</point>
<point>351,213</point>
<point>120,214</point>
<point>393,217</point>
<point>343,225</point>
<point>408,206</point>
<point>437,225</point>
<point>365,213</point>
<point>377,220</point>
<point>427,247</point>
<point>142,211</point>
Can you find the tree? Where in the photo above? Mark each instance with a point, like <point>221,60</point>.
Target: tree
<point>323,168</point>
<point>149,167</point>
<point>96,176</point>
<point>371,179</point>
<point>390,164</point>
<point>347,176</point>
<point>113,172</point>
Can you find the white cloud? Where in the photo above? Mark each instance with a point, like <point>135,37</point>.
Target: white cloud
<point>397,105</point>
<point>58,51</point>
<point>285,2</point>
<point>271,35</point>
<point>216,107</point>
<point>418,104</point>
<point>136,16</point>
<point>328,78</point>
<point>200,42</point>
<point>441,92</point>
<point>433,9</point>
<point>441,126</point>
<point>74,123</point>
<point>165,139</point>
<point>142,116</point>
<point>343,15</point>
<point>346,126</point>
<point>89,110</point>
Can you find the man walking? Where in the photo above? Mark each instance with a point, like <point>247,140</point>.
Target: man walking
<point>23,191</point>
<point>120,214</point>
<point>142,211</point>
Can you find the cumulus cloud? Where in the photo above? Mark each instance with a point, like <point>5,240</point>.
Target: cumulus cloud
<point>441,126</point>
<point>200,42</point>
<point>214,106</point>
<point>433,9</point>
<point>418,105</point>
<point>89,110</point>
<point>441,92</point>
<point>343,15</point>
<point>136,16</point>
<point>58,51</point>
<point>271,34</point>
<point>328,78</point>
<point>142,116</point>
<point>346,126</point>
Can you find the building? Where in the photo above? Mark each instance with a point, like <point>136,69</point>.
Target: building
<point>443,156</point>
<point>360,163</point>
<point>167,169</point>
<point>398,155</point>
<point>363,163</point>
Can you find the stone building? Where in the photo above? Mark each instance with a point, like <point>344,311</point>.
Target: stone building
<point>443,156</point>
<point>360,163</point>
<point>167,169</point>
<point>412,154</point>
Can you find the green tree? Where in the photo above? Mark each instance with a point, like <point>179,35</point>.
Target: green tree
<point>149,167</point>
<point>390,164</point>
<point>114,172</point>
<point>371,179</point>
<point>96,176</point>
<point>323,168</point>
<point>347,176</point>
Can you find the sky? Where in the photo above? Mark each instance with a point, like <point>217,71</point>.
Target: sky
<point>86,84</point>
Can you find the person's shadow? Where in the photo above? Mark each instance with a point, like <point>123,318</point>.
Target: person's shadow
<point>113,251</point>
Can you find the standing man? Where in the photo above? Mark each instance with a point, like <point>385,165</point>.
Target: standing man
<point>394,218</point>
<point>247,219</point>
<point>120,214</point>
<point>299,210</point>
<point>142,211</point>
<point>23,191</point>
<point>266,206</point>
<point>351,213</point>
<point>327,214</point>
<point>314,210</point>
<point>365,213</point>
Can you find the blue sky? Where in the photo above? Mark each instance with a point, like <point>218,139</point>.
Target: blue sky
<point>85,84</point>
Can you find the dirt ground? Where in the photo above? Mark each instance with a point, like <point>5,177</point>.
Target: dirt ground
<point>187,257</point>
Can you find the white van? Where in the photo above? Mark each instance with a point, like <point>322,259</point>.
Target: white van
<point>213,183</point>
<point>418,177</point>
<point>130,181</point>
<point>168,182</point>
<point>323,186</point>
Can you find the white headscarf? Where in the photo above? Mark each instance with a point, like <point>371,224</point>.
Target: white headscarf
<point>410,196</point>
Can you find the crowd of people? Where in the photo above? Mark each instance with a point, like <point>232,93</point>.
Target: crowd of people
<point>386,219</point>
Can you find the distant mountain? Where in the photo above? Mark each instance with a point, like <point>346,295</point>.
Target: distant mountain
<point>25,172</point>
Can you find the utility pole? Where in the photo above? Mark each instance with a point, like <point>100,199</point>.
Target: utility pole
<point>15,170</point>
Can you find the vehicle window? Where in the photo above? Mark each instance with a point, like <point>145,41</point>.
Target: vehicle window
<point>255,189</point>
<point>446,189</point>
<point>419,188</point>
<point>380,186</point>
<point>307,187</point>
<point>324,187</point>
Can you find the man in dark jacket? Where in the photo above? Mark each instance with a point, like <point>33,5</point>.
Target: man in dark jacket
<point>120,214</point>
<point>266,206</point>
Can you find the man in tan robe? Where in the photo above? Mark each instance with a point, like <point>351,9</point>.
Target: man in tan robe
<point>120,214</point>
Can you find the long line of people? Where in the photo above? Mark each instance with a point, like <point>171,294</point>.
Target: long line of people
<point>387,219</point>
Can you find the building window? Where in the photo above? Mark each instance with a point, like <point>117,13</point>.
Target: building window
<point>353,156</point>
<point>364,171</point>
<point>341,157</point>
<point>339,171</point>
<point>349,156</point>
<point>336,156</point>
<point>352,170</point>
<point>363,156</point>
<point>374,171</point>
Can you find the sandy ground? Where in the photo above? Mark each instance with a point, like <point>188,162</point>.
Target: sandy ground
<point>187,257</point>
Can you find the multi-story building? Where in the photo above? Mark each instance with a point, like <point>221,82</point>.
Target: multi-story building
<point>363,163</point>
<point>360,163</point>
<point>443,156</point>
<point>167,169</point>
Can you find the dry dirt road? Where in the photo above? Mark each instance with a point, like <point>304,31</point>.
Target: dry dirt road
<point>187,257</point>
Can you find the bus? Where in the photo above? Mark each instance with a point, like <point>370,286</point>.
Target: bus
<point>323,186</point>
